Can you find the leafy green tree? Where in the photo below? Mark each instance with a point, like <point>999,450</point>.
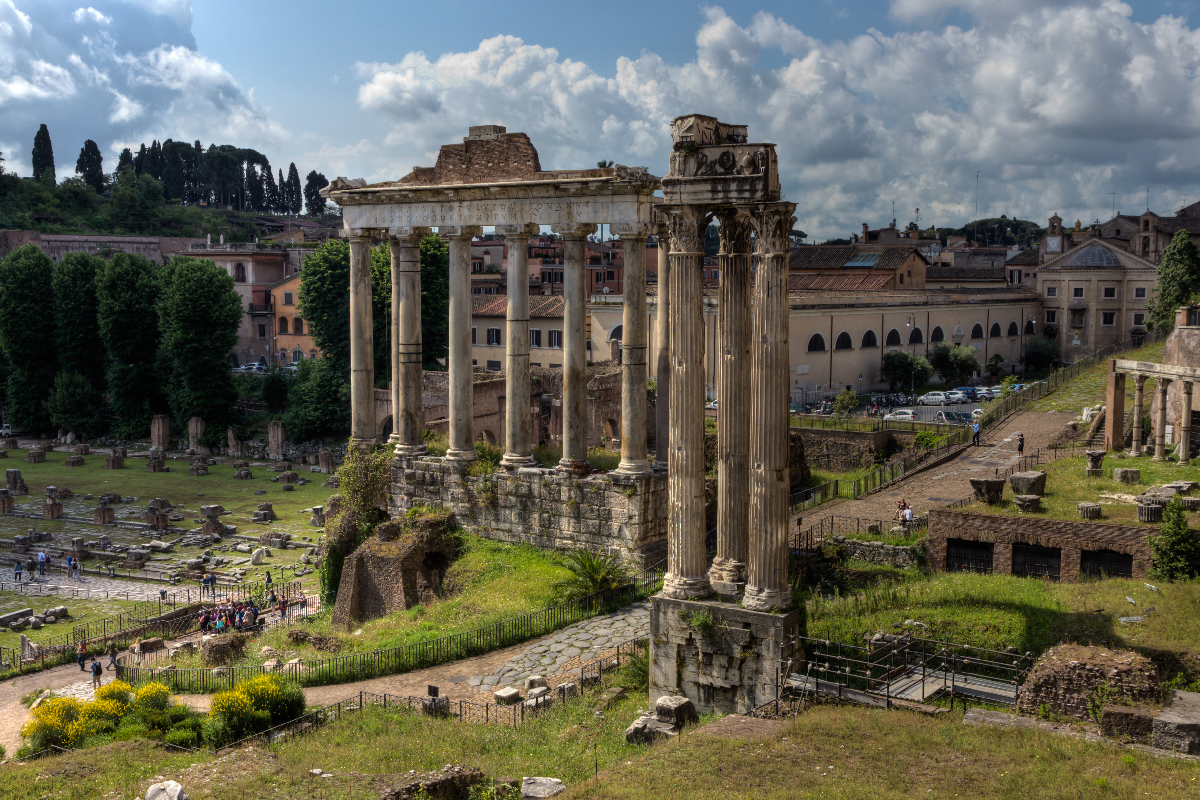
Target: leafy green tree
<point>125,159</point>
<point>1,162</point>
<point>90,165</point>
<point>313,201</point>
<point>43,156</point>
<point>1040,352</point>
<point>275,386</point>
<point>995,365</point>
<point>77,329</point>
<point>319,401</point>
<point>435,300</point>
<point>75,404</point>
<point>845,404</point>
<point>27,334</point>
<point>953,363</point>
<point>198,314</point>
<point>1172,551</point>
<point>139,161</point>
<point>898,370</point>
<point>1178,280</point>
<point>127,291</point>
<point>590,573</point>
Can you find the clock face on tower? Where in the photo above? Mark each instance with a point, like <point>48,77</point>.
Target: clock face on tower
<point>1053,244</point>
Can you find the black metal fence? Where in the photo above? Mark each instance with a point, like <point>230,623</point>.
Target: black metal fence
<point>853,528</point>
<point>376,663</point>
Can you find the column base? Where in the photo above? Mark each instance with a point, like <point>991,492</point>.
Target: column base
<point>678,588</point>
<point>574,467</point>
<point>635,468</point>
<point>361,444</point>
<point>460,455</point>
<point>513,461</point>
<point>728,577</point>
<point>757,599</point>
<point>411,450</point>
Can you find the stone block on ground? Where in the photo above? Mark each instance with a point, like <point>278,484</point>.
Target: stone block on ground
<point>167,790</point>
<point>535,682</point>
<point>35,456</point>
<point>1148,512</point>
<point>507,696</point>
<point>149,645</point>
<point>74,461</point>
<point>988,490</point>
<point>1033,482</point>
<point>1088,510</point>
<point>533,788</point>
<point>1126,722</point>
<point>676,710</point>
<point>1028,503</point>
<point>1177,728</point>
<point>1127,475</point>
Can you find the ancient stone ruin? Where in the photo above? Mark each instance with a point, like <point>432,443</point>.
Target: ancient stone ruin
<point>51,508</point>
<point>15,483</point>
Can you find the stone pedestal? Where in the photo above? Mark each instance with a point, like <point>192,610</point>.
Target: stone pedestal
<point>35,457</point>
<point>1088,510</point>
<point>1028,482</point>
<point>82,450</point>
<point>157,521</point>
<point>7,504</point>
<point>9,444</point>
<point>74,461</point>
<point>3,454</point>
<point>1095,463</point>
<point>718,655</point>
<point>1028,503</point>
<point>155,465</point>
<point>988,490</point>
<point>1149,512</point>
<point>160,431</point>
<point>114,462</point>
<point>1127,475</point>
<point>15,483</point>
<point>104,515</point>
<point>52,509</point>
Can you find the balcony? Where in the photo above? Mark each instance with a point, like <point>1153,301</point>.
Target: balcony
<point>260,308</point>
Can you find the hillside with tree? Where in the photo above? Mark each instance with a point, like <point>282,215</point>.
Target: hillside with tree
<point>164,189</point>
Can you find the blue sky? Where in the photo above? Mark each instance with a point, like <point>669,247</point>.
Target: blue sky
<point>1055,104</point>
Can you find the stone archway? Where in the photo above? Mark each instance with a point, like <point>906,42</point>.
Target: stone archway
<point>487,436</point>
<point>385,428</point>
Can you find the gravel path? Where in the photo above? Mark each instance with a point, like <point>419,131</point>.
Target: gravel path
<point>949,482</point>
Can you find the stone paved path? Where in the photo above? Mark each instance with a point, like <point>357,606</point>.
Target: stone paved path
<point>90,587</point>
<point>949,482</point>
<point>573,645</point>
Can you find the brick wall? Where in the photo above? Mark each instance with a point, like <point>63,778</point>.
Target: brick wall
<point>1005,531</point>
<point>541,507</point>
<point>511,156</point>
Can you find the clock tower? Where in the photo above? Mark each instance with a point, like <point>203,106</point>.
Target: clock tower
<point>1054,237</point>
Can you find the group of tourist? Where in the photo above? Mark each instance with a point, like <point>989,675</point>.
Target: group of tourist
<point>904,511</point>
<point>229,616</point>
<point>35,567</point>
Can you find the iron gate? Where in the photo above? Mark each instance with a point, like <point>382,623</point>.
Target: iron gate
<point>1031,561</point>
<point>1106,564</point>
<point>963,555</point>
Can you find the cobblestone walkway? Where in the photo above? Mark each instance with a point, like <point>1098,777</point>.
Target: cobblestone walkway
<point>82,691</point>
<point>91,587</point>
<point>573,645</point>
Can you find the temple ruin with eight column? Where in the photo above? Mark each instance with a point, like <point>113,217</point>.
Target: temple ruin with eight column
<point>717,631</point>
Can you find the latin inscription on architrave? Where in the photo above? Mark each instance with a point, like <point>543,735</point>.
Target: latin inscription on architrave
<point>497,212</point>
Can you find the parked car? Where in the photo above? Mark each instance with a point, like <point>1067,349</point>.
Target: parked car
<point>6,430</point>
<point>825,408</point>
<point>955,397</point>
<point>977,413</point>
<point>969,391</point>
<point>952,418</point>
<point>932,399</point>
<point>711,404</point>
<point>294,368</point>
<point>902,415</point>
<point>983,394</point>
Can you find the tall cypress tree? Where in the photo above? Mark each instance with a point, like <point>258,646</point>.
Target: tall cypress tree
<point>314,203</point>
<point>154,160</point>
<point>281,205</point>
<point>254,188</point>
<point>127,290</point>
<point>295,195</point>
<point>124,160</point>
<point>270,190</point>
<point>139,161</point>
<point>43,155</point>
<point>91,165</point>
<point>27,334</point>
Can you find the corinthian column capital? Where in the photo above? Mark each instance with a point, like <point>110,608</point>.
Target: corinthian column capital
<point>773,223</point>
<point>735,227</point>
<point>686,225</point>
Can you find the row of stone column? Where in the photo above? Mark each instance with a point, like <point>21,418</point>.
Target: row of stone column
<point>1159,423</point>
<point>406,361</point>
<point>752,407</point>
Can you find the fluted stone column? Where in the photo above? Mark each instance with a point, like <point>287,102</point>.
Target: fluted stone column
<point>1160,424</point>
<point>462,399</point>
<point>633,352</point>
<point>1139,384</point>
<point>728,571</point>
<point>574,401</point>
<point>408,410</point>
<point>1185,426</point>
<point>518,450</point>
<point>362,350</point>
<point>767,585</point>
<point>686,575</point>
<point>662,335</point>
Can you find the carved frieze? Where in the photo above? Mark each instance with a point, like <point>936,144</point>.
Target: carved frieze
<point>632,207</point>
<point>721,160</point>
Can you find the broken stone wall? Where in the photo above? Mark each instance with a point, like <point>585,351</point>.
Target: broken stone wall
<point>1065,677</point>
<point>603,513</point>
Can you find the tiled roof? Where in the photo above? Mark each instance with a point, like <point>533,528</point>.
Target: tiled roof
<point>937,273</point>
<point>1089,256</point>
<point>1031,257</point>
<point>818,281</point>
<point>834,257</point>
<point>496,305</point>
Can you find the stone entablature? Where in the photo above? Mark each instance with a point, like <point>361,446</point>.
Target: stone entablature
<point>614,513</point>
<point>1070,538</point>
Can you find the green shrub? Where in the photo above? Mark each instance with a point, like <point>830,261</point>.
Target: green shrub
<point>182,737</point>
<point>1175,546</point>
<point>926,439</point>
<point>282,700</point>
<point>590,573</point>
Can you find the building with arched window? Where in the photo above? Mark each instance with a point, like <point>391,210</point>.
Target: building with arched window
<point>292,342</point>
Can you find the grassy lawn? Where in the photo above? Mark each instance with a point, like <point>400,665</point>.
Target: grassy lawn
<point>82,611</point>
<point>1089,388</point>
<point>999,611</point>
<point>489,582</point>
<point>852,753</point>
<point>1066,486</point>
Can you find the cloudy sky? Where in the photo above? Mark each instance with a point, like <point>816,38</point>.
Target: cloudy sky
<point>1058,106</point>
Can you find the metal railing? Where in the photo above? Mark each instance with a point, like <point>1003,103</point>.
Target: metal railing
<point>391,661</point>
<point>854,528</point>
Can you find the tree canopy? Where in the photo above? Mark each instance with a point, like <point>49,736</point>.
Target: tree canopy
<point>897,370</point>
<point>43,156</point>
<point>954,363</point>
<point>127,290</point>
<point>1178,281</point>
<point>90,165</point>
<point>27,334</point>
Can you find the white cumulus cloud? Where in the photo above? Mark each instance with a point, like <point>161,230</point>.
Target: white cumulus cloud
<point>89,13</point>
<point>1054,104</point>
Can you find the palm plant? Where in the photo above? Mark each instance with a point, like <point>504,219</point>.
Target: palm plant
<point>590,573</point>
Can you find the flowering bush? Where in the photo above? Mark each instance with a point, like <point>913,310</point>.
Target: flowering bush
<point>51,724</point>
<point>153,695</point>
<point>120,691</point>
<point>283,700</point>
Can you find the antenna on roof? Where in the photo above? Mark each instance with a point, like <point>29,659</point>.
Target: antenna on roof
<point>1113,195</point>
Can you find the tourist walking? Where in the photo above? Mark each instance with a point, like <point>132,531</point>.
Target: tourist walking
<point>111,650</point>
<point>17,570</point>
<point>97,672</point>
<point>283,605</point>
<point>975,428</point>
<point>1020,443</point>
<point>81,656</point>
<point>42,563</point>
